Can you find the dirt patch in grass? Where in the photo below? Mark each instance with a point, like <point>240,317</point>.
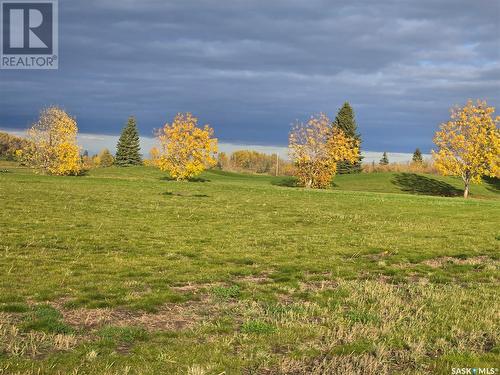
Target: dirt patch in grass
<point>124,348</point>
<point>314,286</point>
<point>188,288</point>
<point>255,279</point>
<point>418,279</point>
<point>200,288</point>
<point>379,256</point>
<point>168,317</point>
<point>473,261</point>
<point>193,288</point>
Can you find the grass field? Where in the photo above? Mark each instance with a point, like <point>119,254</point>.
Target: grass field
<point>125,272</point>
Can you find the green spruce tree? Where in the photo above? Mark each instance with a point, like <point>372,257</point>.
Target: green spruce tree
<point>128,148</point>
<point>417,157</point>
<point>385,159</point>
<point>345,120</point>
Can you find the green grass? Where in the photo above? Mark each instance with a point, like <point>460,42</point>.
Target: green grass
<point>226,292</point>
<point>123,270</point>
<point>45,318</point>
<point>419,184</point>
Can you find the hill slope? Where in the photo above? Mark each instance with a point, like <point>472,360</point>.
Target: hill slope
<point>412,183</point>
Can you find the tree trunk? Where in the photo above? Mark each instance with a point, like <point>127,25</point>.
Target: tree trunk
<point>466,190</point>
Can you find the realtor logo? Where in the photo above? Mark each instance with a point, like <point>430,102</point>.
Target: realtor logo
<point>29,34</point>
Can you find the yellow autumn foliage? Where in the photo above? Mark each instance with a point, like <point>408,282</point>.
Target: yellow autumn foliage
<point>154,155</point>
<point>103,159</point>
<point>469,144</point>
<point>316,147</point>
<point>52,145</point>
<point>186,150</point>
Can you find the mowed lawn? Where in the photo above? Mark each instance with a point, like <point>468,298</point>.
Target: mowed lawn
<point>123,271</point>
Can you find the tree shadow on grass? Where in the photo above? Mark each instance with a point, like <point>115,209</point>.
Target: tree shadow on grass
<point>492,184</point>
<point>291,182</point>
<point>284,181</point>
<point>194,179</point>
<point>418,184</point>
<point>187,195</point>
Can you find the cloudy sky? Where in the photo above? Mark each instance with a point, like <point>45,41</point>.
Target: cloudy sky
<point>250,68</point>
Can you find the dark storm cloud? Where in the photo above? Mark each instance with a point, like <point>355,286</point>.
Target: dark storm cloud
<point>250,68</point>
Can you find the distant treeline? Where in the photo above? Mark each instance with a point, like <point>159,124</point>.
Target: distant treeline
<point>9,144</point>
<point>248,161</point>
<point>254,162</point>
<point>257,162</point>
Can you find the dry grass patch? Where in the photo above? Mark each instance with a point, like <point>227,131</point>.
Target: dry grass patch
<point>365,364</point>
<point>167,317</point>
<point>15,342</point>
<point>314,286</point>
<point>472,261</point>
<point>263,278</point>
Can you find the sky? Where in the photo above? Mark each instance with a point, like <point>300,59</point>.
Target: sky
<point>251,68</point>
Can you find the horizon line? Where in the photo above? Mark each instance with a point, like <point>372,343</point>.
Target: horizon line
<point>95,142</point>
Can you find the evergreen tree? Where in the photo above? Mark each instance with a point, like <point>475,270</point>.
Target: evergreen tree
<point>345,121</point>
<point>85,156</point>
<point>417,156</point>
<point>128,148</point>
<point>384,160</point>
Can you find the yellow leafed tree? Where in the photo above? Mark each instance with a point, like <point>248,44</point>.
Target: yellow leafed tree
<point>186,150</point>
<point>316,147</point>
<point>222,160</point>
<point>469,144</point>
<point>154,155</point>
<point>103,159</point>
<point>52,145</point>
